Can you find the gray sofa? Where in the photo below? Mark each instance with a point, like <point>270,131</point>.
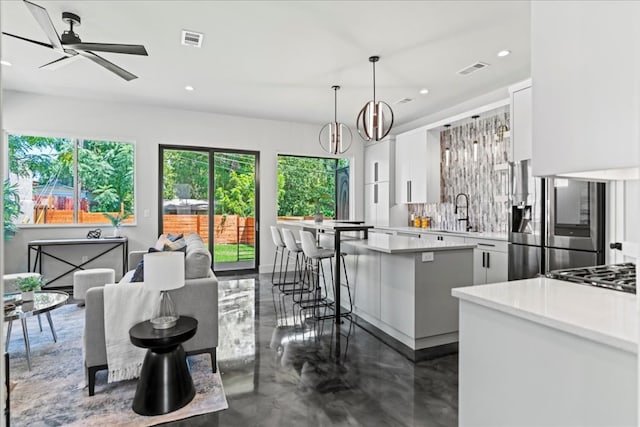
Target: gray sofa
<point>198,299</point>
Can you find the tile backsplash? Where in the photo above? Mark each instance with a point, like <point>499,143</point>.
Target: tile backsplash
<point>481,172</point>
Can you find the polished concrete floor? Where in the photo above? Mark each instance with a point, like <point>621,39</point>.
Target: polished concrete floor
<point>277,373</point>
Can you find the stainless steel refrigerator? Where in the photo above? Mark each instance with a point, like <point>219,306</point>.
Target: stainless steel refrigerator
<point>575,224</point>
<point>526,222</point>
<point>553,223</point>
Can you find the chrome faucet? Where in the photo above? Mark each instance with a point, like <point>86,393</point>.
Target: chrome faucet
<point>466,207</point>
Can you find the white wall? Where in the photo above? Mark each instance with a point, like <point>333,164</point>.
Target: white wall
<point>150,126</point>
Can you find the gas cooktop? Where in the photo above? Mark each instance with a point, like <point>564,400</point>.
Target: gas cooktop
<point>621,277</point>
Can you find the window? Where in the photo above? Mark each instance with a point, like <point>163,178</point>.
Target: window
<point>71,180</point>
<point>307,185</point>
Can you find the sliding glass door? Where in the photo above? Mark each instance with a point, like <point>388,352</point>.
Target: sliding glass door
<point>213,193</point>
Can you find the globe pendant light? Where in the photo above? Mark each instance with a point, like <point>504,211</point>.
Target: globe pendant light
<point>447,150</point>
<point>335,138</point>
<point>475,138</point>
<point>375,120</point>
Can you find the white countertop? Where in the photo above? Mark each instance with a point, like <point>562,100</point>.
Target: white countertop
<point>402,244</point>
<point>470,234</point>
<point>603,315</point>
<point>324,225</point>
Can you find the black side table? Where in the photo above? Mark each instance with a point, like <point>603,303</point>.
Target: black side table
<point>165,384</point>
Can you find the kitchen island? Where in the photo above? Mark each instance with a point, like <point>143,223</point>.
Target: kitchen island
<point>547,352</point>
<point>403,290</point>
<point>401,287</point>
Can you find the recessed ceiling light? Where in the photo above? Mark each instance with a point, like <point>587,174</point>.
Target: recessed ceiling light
<point>189,88</point>
<point>7,63</point>
<point>503,53</point>
<point>424,91</point>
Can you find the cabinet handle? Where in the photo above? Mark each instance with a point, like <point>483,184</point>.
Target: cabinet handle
<point>408,191</point>
<point>375,193</point>
<point>375,172</point>
<point>488,259</point>
<point>487,244</point>
<point>484,263</point>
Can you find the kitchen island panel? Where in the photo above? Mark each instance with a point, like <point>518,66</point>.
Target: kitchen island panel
<point>514,371</point>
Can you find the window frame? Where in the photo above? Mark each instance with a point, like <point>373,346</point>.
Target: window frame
<point>75,138</point>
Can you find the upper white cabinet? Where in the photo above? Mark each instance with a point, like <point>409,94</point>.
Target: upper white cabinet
<point>585,67</point>
<point>417,167</point>
<point>521,125</point>
<point>379,163</point>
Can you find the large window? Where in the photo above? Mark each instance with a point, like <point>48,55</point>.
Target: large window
<point>307,185</point>
<point>71,180</point>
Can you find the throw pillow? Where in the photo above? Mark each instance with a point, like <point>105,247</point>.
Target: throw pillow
<point>138,275</point>
<point>174,237</point>
<point>177,245</point>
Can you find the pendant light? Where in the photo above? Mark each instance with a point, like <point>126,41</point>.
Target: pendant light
<point>475,137</point>
<point>335,138</point>
<point>375,120</point>
<point>447,151</point>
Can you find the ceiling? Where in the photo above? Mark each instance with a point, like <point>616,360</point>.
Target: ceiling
<point>278,60</point>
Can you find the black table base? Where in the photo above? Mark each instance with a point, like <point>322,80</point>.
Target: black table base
<point>165,384</point>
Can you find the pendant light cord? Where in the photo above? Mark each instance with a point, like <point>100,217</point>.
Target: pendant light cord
<point>374,82</point>
<point>335,104</point>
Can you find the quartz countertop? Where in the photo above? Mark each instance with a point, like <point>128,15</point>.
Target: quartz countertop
<point>402,244</point>
<point>602,315</point>
<point>469,234</point>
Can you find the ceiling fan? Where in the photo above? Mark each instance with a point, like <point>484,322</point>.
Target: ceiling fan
<point>70,45</point>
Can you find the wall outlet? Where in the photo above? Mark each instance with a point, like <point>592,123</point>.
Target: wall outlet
<point>146,213</point>
<point>427,256</point>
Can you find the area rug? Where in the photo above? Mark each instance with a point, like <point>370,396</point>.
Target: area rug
<point>53,392</point>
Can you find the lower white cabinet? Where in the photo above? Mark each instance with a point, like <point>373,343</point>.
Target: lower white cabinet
<point>490,262</point>
<point>443,237</point>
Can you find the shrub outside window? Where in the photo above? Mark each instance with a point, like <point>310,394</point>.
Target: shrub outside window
<point>71,180</point>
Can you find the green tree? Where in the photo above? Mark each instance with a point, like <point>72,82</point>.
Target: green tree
<point>306,184</point>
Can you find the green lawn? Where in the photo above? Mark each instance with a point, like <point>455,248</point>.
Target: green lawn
<point>229,252</point>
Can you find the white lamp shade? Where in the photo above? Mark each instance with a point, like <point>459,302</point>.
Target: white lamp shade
<point>164,271</point>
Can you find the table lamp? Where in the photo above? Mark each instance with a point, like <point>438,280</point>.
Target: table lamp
<point>164,271</point>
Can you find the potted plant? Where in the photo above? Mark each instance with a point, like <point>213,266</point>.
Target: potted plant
<point>319,202</point>
<point>28,285</point>
<point>116,221</point>
<point>11,208</point>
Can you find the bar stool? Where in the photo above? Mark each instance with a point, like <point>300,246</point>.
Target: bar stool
<point>293,247</point>
<point>279,243</point>
<point>314,255</point>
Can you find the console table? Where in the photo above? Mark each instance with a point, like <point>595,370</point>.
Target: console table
<point>40,246</point>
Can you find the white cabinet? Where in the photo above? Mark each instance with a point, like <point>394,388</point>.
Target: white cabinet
<point>379,164</point>
<point>417,167</point>
<point>376,202</point>
<point>521,121</point>
<point>586,77</point>
<point>490,261</point>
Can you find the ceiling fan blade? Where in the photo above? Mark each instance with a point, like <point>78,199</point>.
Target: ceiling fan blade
<point>65,60</point>
<point>43,18</point>
<point>130,49</point>
<point>29,40</point>
<point>108,65</point>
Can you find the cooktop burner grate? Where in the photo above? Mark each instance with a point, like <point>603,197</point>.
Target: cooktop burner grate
<point>621,277</point>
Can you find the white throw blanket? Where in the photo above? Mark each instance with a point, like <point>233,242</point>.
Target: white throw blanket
<point>125,305</point>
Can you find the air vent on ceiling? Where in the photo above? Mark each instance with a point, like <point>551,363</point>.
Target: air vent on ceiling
<point>403,101</point>
<point>473,68</point>
<point>192,38</point>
